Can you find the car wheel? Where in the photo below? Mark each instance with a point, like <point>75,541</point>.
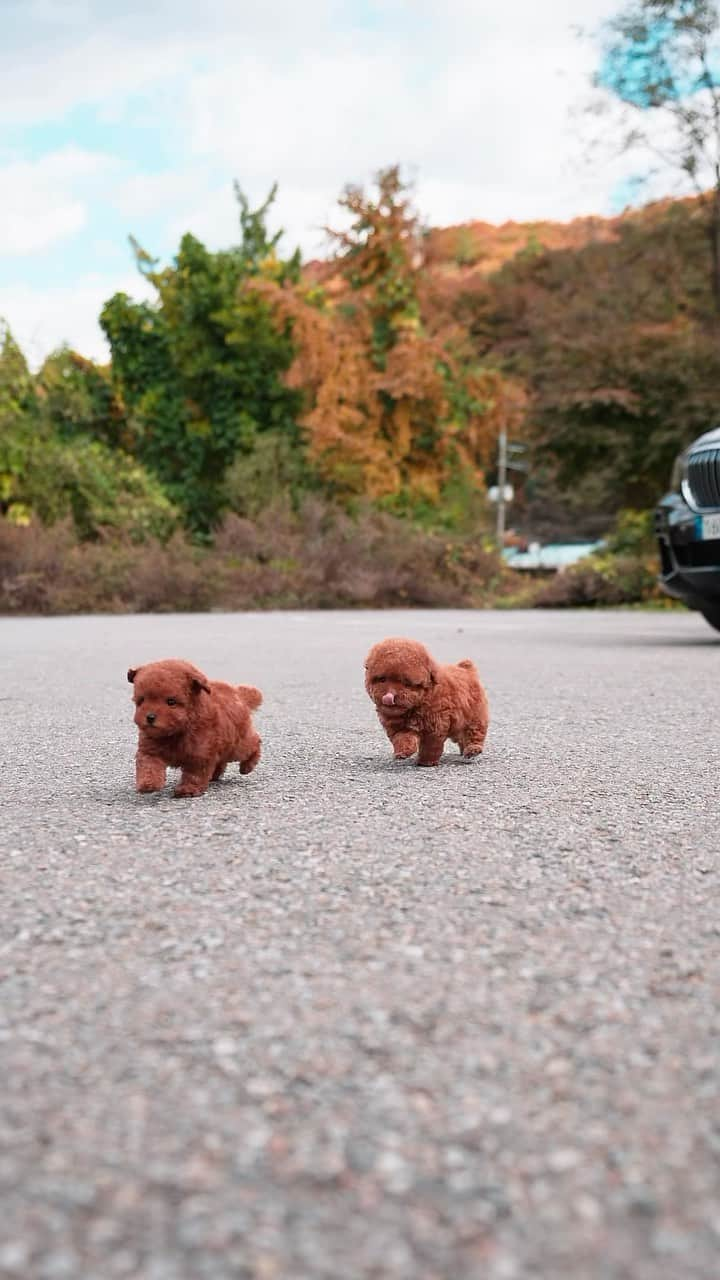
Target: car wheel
<point>711,614</point>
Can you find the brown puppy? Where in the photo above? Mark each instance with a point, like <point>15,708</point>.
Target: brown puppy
<point>421,703</point>
<point>191,723</point>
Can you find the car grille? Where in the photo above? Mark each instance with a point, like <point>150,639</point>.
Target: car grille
<point>703,478</point>
<point>697,555</point>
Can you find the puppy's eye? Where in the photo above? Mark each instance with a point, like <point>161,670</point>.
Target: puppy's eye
<point>379,680</point>
<point>139,702</point>
<point>172,702</point>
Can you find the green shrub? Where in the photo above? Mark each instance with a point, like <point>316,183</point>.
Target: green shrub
<point>599,580</point>
<point>97,487</point>
<point>274,469</point>
<point>624,572</point>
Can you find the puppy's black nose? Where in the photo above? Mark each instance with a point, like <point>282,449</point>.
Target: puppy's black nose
<point>151,717</point>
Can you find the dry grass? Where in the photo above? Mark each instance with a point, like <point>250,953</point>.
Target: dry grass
<point>317,558</point>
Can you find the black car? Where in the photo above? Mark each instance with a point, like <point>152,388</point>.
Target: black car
<point>687,524</point>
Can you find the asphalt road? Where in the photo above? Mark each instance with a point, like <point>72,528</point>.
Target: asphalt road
<point>344,1018</point>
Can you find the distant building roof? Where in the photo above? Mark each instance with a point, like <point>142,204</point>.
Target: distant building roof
<point>554,555</point>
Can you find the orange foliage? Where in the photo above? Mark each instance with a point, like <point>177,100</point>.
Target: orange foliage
<point>382,431</point>
<point>393,401</point>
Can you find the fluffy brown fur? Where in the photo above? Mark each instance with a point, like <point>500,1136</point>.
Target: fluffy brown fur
<point>190,723</point>
<point>420,703</point>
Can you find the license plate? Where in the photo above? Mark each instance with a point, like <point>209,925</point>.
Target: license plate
<point>707,528</point>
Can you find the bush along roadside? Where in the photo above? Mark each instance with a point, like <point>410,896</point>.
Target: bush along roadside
<point>316,557</point>
<point>623,573</point>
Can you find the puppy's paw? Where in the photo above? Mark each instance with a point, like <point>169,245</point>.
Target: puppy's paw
<point>182,793</point>
<point>404,745</point>
<point>146,788</point>
<point>403,757</point>
<point>428,764</point>
<point>468,757</point>
<point>251,762</point>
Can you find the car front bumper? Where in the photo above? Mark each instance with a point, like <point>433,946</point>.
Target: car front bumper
<point>689,567</point>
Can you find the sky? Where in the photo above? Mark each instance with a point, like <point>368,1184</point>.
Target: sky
<point>123,117</point>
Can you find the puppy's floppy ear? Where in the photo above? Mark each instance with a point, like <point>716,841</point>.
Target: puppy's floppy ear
<point>132,672</point>
<point>196,679</point>
<point>433,672</point>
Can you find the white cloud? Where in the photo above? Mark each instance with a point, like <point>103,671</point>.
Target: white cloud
<point>471,97</point>
<point>149,193</point>
<point>58,54</point>
<point>302,213</point>
<point>41,203</point>
<point>42,319</point>
<point>476,108</point>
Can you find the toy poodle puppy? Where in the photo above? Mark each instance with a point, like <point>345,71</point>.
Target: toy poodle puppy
<point>190,723</point>
<point>420,703</point>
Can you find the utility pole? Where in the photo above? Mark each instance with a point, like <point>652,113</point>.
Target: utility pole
<point>502,484</point>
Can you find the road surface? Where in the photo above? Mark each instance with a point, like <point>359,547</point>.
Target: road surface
<point>348,1019</point>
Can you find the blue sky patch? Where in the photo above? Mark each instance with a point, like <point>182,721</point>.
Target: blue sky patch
<point>627,192</point>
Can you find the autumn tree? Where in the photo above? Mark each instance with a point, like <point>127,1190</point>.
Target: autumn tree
<point>379,255</point>
<point>392,411</point>
<point>660,61</point>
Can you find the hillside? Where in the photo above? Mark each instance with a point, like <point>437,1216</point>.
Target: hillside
<point>610,326</point>
<point>469,248</point>
<point>466,249</point>
<point>485,247</point>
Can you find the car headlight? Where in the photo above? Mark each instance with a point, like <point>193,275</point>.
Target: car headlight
<point>678,472</point>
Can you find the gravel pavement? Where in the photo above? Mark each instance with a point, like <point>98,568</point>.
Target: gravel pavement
<point>344,1018</point>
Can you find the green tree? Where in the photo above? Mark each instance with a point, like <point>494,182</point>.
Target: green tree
<point>50,466</point>
<point>16,383</point>
<point>17,403</point>
<point>79,398</point>
<point>101,489</point>
<point>465,253</point>
<point>201,370</point>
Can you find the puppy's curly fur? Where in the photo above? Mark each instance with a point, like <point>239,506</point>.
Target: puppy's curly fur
<point>420,703</point>
<point>190,723</point>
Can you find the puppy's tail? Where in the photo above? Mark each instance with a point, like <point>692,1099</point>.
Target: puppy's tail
<point>467,664</point>
<point>251,696</point>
